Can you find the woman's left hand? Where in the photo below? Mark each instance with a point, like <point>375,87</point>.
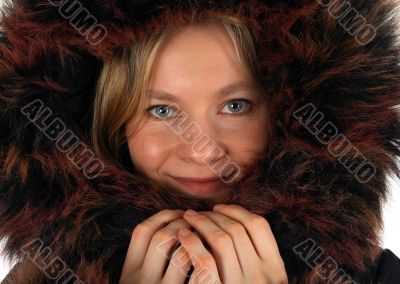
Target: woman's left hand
<point>243,248</point>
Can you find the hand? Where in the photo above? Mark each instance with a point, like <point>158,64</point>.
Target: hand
<point>243,248</point>
<point>150,248</point>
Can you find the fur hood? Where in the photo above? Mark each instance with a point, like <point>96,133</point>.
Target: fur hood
<point>332,68</point>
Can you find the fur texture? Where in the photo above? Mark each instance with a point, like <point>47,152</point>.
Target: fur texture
<point>298,185</point>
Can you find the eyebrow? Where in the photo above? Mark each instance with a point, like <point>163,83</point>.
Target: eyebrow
<point>229,89</point>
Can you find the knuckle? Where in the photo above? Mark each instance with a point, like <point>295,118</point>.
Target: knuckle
<point>281,279</point>
<point>165,245</point>
<point>235,228</point>
<point>168,213</point>
<point>221,240</point>
<point>281,275</point>
<point>282,264</point>
<point>163,235</point>
<point>258,220</point>
<point>141,229</point>
<point>278,276</point>
<point>232,207</point>
<point>258,280</point>
<point>200,220</point>
<point>229,208</point>
<point>204,261</point>
<point>199,217</point>
<point>179,223</point>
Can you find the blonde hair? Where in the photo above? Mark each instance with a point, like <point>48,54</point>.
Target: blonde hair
<point>123,80</point>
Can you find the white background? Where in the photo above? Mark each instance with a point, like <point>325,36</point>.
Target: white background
<point>390,235</point>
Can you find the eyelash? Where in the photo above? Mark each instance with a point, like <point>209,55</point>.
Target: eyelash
<point>246,109</point>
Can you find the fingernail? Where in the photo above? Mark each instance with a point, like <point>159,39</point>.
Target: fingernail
<point>190,212</point>
<point>184,232</point>
<point>219,206</point>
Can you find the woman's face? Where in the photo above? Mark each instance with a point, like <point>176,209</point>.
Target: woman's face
<point>199,73</point>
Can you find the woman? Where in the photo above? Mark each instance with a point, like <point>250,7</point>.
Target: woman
<point>226,112</point>
<point>195,104</point>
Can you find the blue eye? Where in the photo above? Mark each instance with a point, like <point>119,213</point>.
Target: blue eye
<point>164,112</point>
<point>161,111</point>
<point>236,106</point>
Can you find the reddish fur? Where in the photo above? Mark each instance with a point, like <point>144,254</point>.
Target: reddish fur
<point>286,186</point>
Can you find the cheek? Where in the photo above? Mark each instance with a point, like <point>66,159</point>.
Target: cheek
<point>249,140</point>
<point>253,139</point>
<point>148,151</point>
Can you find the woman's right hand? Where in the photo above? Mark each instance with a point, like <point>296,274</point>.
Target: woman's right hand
<point>150,248</point>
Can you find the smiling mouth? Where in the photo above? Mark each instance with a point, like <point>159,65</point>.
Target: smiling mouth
<point>200,185</point>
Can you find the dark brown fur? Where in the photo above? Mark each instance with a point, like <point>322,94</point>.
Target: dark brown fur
<point>298,186</point>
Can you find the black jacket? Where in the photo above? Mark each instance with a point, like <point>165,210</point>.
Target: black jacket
<point>387,269</point>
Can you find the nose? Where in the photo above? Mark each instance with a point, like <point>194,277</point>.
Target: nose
<point>201,144</point>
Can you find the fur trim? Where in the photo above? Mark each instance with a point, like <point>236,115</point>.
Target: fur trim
<point>298,185</point>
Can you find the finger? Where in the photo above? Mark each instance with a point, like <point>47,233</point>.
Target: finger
<point>257,227</point>
<point>244,248</point>
<point>162,244</point>
<point>205,267</point>
<point>160,240</point>
<point>178,267</point>
<point>141,238</point>
<point>220,243</point>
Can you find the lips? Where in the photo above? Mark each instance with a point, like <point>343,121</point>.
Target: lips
<point>200,185</point>
<point>195,179</point>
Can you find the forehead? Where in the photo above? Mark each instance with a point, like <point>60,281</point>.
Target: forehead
<point>198,54</point>
<point>240,86</point>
